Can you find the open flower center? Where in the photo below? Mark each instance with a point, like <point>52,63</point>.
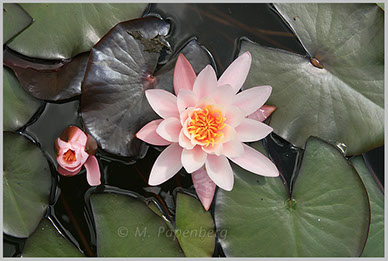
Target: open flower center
<point>69,156</point>
<point>206,125</point>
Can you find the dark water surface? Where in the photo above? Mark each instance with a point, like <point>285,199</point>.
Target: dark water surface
<point>219,27</point>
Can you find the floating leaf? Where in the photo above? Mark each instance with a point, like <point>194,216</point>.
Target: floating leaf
<point>54,80</point>
<point>219,26</point>
<point>56,35</point>
<point>19,106</point>
<point>327,214</point>
<point>195,227</point>
<point>375,245</point>
<point>26,185</point>
<point>47,242</point>
<point>121,67</point>
<point>126,227</point>
<point>381,5</point>
<point>15,20</point>
<point>344,100</point>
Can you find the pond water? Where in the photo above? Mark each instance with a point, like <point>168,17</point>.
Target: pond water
<point>218,27</point>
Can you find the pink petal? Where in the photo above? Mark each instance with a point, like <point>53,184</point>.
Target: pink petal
<point>233,115</point>
<point>92,171</point>
<point>252,99</point>
<point>229,133</point>
<point>205,82</point>
<point>204,187</point>
<point>67,173</point>
<point>193,159</point>
<point>233,149</point>
<point>204,101</point>
<point>219,170</point>
<point>255,162</point>
<point>237,72</point>
<point>62,145</point>
<point>184,141</point>
<point>166,165</point>
<point>186,99</point>
<point>223,95</point>
<point>250,130</point>
<point>216,149</point>
<point>262,113</point>
<point>169,129</point>
<point>149,135</point>
<point>163,103</point>
<point>184,75</point>
<point>79,136</point>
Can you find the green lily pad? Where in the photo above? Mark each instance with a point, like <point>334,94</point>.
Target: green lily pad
<point>195,227</point>
<point>381,5</point>
<point>343,102</point>
<point>375,245</point>
<point>126,227</point>
<point>62,30</point>
<point>26,185</point>
<point>15,20</point>
<point>19,106</point>
<point>47,242</point>
<point>327,214</point>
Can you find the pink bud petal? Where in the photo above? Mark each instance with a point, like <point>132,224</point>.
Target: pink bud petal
<point>67,173</point>
<point>92,171</point>
<point>204,187</point>
<point>263,113</point>
<point>184,75</point>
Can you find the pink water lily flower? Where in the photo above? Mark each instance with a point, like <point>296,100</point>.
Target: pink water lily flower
<point>75,149</point>
<point>207,123</point>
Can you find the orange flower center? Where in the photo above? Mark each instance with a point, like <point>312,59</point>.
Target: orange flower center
<point>69,156</point>
<point>206,125</point>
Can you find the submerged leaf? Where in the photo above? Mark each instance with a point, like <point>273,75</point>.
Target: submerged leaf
<point>121,67</point>
<point>126,227</point>
<point>63,30</point>
<point>337,91</point>
<point>47,242</point>
<point>326,215</point>
<point>19,106</point>
<point>26,185</point>
<point>15,20</point>
<point>375,245</point>
<point>52,81</point>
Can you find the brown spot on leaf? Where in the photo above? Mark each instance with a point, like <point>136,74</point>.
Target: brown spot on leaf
<point>314,61</point>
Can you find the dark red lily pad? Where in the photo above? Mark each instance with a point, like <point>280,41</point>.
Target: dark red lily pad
<point>121,67</point>
<point>48,79</point>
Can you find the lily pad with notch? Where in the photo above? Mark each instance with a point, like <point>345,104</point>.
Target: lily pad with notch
<point>126,227</point>
<point>15,20</point>
<point>375,245</point>
<point>46,241</point>
<point>48,80</point>
<point>325,215</point>
<point>336,92</point>
<point>27,184</point>
<point>54,35</point>
<point>121,67</point>
<point>19,106</point>
<point>195,227</point>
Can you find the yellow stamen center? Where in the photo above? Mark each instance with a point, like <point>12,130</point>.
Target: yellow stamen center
<point>206,125</point>
<point>69,156</point>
